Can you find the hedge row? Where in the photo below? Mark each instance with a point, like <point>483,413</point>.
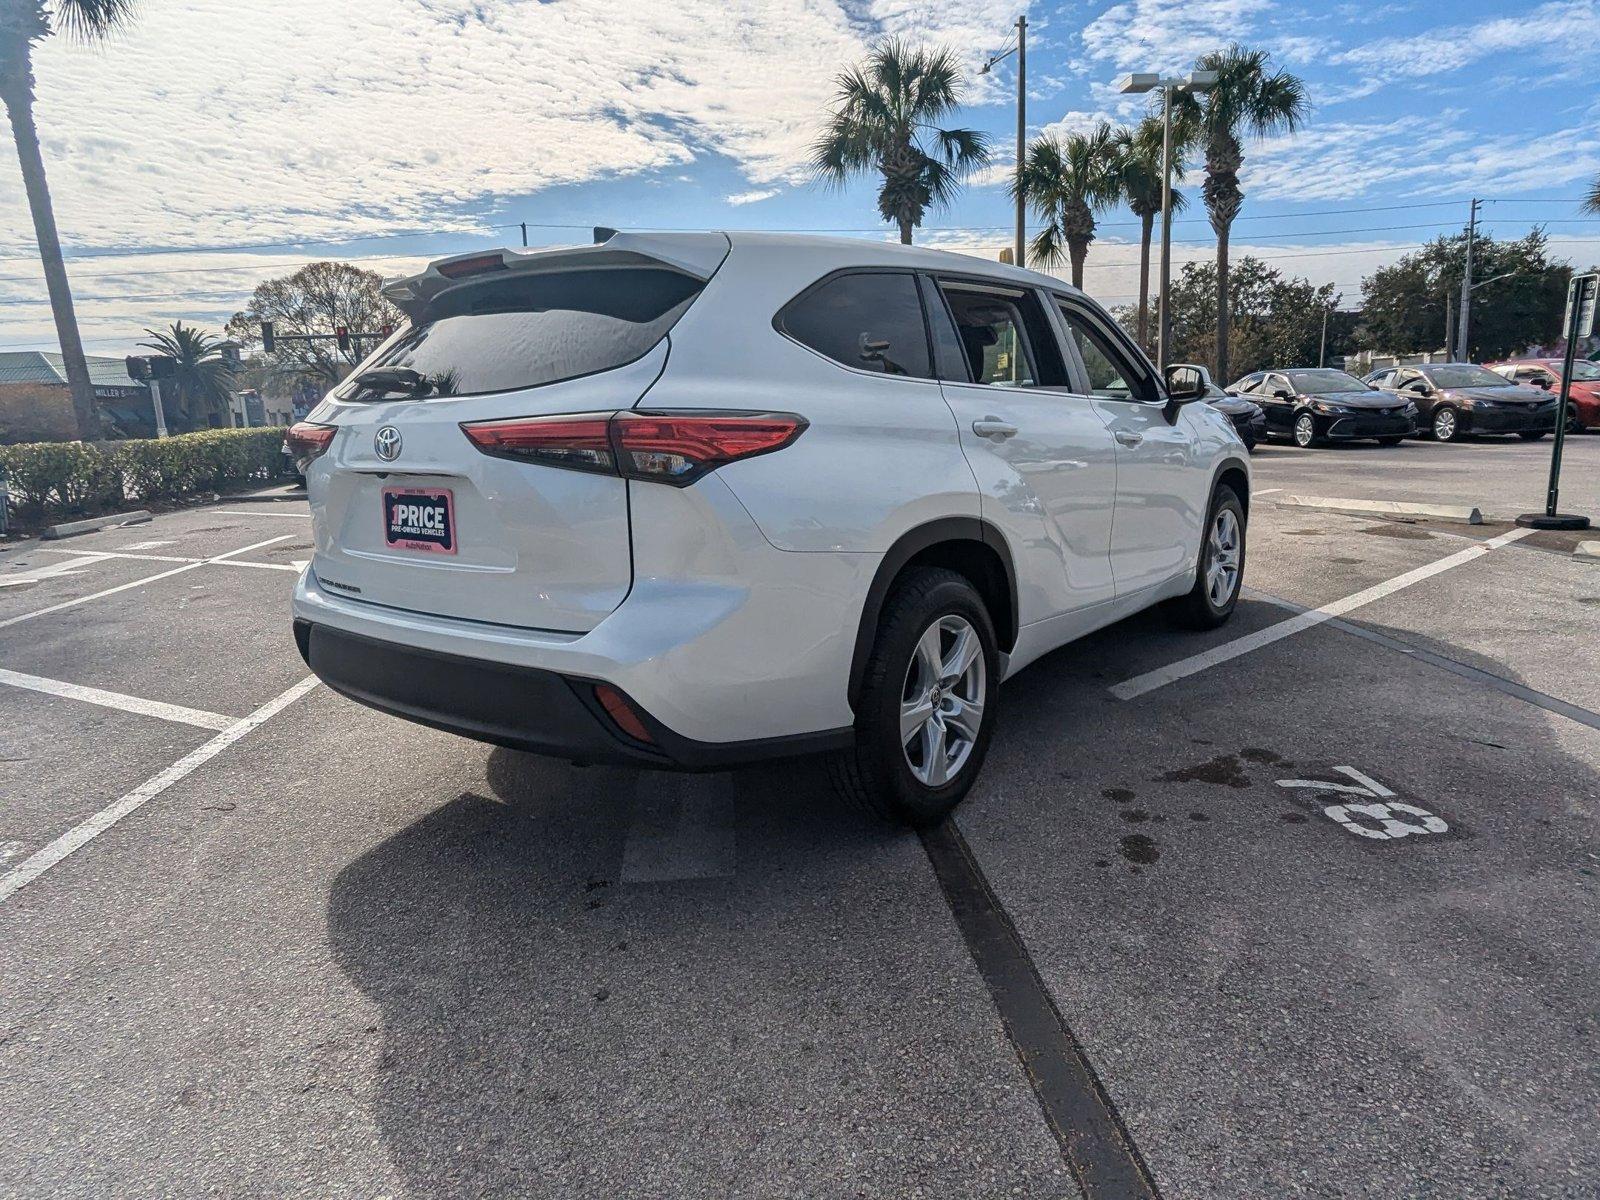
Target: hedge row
<point>76,477</point>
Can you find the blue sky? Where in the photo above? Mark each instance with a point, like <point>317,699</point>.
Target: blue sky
<point>212,145</point>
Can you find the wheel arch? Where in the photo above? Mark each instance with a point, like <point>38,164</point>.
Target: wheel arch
<point>1232,473</point>
<point>969,546</point>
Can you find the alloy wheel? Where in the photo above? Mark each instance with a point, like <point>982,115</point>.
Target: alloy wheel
<point>1305,430</point>
<point>1224,550</point>
<point>941,704</point>
<point>1444,424</point>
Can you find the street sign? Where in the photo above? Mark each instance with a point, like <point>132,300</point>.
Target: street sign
<point>1583,290</point>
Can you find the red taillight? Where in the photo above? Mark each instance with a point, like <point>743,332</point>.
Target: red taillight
<point>675,448</point>
<point>681,447</point>
<point>305,441</point>
<point>478,264</point>
<point>619,711</point>
<point>581,442</point>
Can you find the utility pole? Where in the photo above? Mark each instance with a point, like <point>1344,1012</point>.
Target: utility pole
<point>1322,350</point>
<point>1022,131</point>
<point>1464,320</point>
<point>1449,320</point>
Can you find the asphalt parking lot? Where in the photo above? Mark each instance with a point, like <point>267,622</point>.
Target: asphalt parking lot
<point>1309,902</point>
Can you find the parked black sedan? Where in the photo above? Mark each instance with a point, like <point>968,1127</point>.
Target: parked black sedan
<point>1460,399</point>
<point>1316,405</point>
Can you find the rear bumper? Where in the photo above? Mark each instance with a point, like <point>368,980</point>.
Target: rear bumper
<point>525,708</point>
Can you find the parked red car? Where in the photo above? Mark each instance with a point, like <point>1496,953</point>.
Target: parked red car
<point>1584,412</point>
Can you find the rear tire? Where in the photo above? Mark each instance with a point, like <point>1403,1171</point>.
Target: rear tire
<point>923,721</point>
<point>1220,571</point>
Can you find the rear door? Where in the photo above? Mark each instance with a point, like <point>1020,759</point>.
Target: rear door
<point>1043,457</point>
<point>409,513</point>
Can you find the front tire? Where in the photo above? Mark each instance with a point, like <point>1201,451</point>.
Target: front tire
<point>1305,431</point>
<point>1220,571</point>
<point>1531,435</point>
<point>1446,424</point>
<point>923,721</point>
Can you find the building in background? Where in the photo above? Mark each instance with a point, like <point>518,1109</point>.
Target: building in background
<point>36,404</point>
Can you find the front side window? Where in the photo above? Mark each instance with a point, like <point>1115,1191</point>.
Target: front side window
<point>871,320</point>
<point>521,330</point>
<point>1110,372</point>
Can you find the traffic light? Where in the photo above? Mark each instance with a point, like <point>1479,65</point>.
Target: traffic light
<point>342,332</point>
<point>268,345</point>
<point>137,366</point>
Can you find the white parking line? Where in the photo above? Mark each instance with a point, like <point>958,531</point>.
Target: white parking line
<point>71,567</point>
<point>40,612</point>
<point>103,554</point>
<point>80,835</point>
<point>234,512</point>
<point>1264,492</point>
<point>132,704</point>
<point>1151,680</point>
<point>682,829</point>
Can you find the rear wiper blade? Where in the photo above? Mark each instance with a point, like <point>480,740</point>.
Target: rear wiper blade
<point>393,379</point>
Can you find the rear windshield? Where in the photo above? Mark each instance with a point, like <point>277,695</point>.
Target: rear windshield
<point>520,331</point>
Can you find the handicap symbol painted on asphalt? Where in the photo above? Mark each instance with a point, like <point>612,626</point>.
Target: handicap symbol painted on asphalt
<point>1368,809</point>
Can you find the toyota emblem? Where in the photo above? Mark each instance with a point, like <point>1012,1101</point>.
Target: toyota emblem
<point>387,443</point>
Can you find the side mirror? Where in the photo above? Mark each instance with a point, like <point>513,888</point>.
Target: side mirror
<point>1545,382</point>
<point>1279,394</point>
<point>1185,384</point>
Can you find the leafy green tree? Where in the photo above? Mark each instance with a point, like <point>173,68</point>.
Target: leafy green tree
<point>1275,321</point>
<point>1138,155</point>
<point>1409,305</point>
<point>885,122</point>
<point>1247,101</point>
<point>1067,181</point>
<point>317,298</point>
<point>23,23</point>
<point>201,386</point>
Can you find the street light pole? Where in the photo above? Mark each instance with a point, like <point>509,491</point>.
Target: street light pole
<point>1022,131</point>
<point>1465,319</point>
<point>1019,248</point>
<point>1197,81</point>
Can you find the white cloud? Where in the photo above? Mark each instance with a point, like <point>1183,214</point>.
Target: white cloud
<point>1544,40</point>
<point>1168,35</point>
<point>753,197</point>
<point>211,122</point>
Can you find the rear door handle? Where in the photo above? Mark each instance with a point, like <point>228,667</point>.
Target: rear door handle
<point>1127,437</point>
<point>994,427</point>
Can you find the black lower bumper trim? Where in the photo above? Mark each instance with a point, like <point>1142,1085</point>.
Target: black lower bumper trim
<point>524,708</point>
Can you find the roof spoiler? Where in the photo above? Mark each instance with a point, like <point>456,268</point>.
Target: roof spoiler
<point>697,255</point>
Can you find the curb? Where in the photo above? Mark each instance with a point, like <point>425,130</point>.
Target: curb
<point>73,528</point>
<point>1587,550</point>
<point>260,498</point>
<point>1388,508</point>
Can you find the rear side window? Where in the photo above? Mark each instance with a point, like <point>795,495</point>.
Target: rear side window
<point>522,330</point>
<point>870,320</point>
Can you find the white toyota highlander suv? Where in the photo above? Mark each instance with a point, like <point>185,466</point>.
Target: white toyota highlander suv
<point>690,500</point>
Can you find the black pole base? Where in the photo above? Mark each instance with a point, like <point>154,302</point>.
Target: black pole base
<point>1546,521</point>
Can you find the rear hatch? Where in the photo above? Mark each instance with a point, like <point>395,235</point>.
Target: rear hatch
<point>411,514</point>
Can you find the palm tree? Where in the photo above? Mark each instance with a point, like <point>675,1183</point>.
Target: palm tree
<point>22,23</point>
<point>1247,101</point>
<point>1591,200</point>
<point>885,122</point>
<point>202,379</point>
<point>1138,153</point>
<point>1067,181</point>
